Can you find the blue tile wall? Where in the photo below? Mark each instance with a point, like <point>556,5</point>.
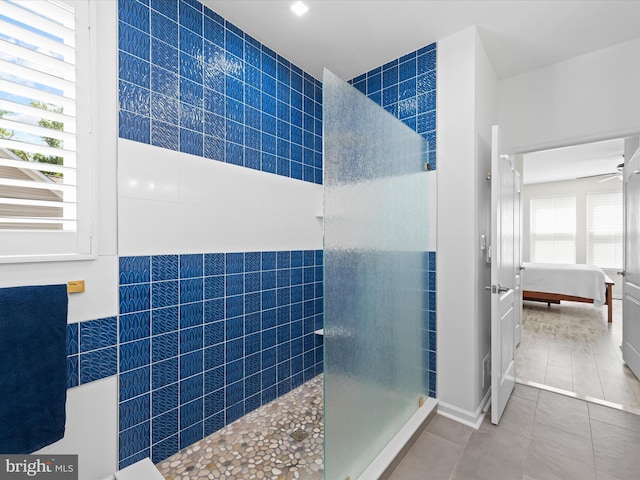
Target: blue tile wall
<point>208,338</point>
<point>429,322</point>
<point>191,81</point>
<point>406,87</point>
<point>91,351</point>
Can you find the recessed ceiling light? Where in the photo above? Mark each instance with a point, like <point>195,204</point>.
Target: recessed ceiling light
<point>299,8</point>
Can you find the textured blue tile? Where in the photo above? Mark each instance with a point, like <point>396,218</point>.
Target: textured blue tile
<point>269,337</point>
<point>134,13</point>
<point>165,293</point>
<point>134,326</point>
<point>98,364</point>
<point>191,290</point>
<point>190,17</point>
<point>134,127</point>
<point>252,343</point>
<point>164,449</point>
<point>73,339</point>
<point>134,440</point>
<point>214,333</point>
<point>96,334</point>
<point>192,119</point>
<point>134,70</point>
<point>191,339</point>
<point>213,379</point>
<point>191,364</point>
<point>164,373</point>
<point>164,28</point>
<point>234,328</point>
<point>164,320</point>
<point>73,371</point>
<point>134,98</point>
<point>233,371</point>
<point>252,323</point>
<point>214,402</point>
<point>214,310</point>
<point>234,349</point>
<point>191,314</point>
<point>165,135</point>
<point>191,389</point>
<point>164,346</point>
<point>191,435</point>
<point>133,41</point>
<point>234,394</point>
<point>234,306</point>
<point>214,423</point>
<point>134,411</point>
<point>134,383</point>
<point>164,426</point>
<point>214,356</point>
<point>164,267</point>
<point>135,354</point>
<point>168,57</point>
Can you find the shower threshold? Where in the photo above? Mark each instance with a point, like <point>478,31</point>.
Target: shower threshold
<point>267,443</point>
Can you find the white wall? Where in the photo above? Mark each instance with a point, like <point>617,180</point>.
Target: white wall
<point>580,188</point>
<point>587,98</point>
<point>172,203</point>
<point>466,110</point>
<point>91,429</point>
<point>486,117</point>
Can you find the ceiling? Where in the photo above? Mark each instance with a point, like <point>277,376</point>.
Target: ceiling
<point>570,163</point>
<point>351,37</point>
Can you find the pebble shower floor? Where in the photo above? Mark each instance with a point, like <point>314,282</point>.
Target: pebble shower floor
<point>260,444</point>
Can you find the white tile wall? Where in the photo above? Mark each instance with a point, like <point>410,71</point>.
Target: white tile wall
<point>174,203</point>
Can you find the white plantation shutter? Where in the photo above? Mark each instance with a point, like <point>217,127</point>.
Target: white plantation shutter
<point>604,229</point>
<point>38,178</point>
<point>553,229</point>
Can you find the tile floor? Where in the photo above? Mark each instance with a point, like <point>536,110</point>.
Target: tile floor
<point>572,347</point>
<point>259,445</point>
<point>542,436</point>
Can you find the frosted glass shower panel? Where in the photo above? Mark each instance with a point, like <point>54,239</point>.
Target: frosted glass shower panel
<point>376,233</point>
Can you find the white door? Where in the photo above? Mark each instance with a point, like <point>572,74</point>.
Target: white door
<point>631,285</point>
<point>503,297</point>
<point>517,252</point>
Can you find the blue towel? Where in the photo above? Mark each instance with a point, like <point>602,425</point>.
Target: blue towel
<point>33,365</point>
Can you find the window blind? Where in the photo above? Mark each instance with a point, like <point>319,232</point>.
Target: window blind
<point>553,229</point>
<point>37,116</point>
<point>604,229</point>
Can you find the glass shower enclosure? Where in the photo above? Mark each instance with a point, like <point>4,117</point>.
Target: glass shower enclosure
<point>375,242</point>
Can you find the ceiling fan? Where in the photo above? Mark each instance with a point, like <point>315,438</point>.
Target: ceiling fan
<point>617,174</point>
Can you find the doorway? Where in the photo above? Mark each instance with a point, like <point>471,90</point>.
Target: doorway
<point>572,214</point>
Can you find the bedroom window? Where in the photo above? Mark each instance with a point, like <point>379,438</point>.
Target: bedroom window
<point>553,229</point>
<point>45,138</point>
<point>604,229</point>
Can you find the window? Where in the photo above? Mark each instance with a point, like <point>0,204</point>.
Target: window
<point>604,229</point>
<point>44,128</point>
<point>553,229</point>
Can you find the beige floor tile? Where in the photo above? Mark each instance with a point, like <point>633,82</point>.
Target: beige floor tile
<point>492,454</point>
<point>616,451</point>
<point>556,455</point>
<point>431,458</point>
<point>564,413</point>
<point>450,430</point>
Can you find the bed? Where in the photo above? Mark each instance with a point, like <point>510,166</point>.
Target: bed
<point>552,283</point>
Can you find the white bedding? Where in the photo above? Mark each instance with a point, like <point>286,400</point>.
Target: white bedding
<point>577,280</point>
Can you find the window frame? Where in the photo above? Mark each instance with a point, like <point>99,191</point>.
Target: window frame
<point>18,246</point>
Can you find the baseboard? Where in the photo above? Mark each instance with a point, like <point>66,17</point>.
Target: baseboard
<point>471,419</point>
